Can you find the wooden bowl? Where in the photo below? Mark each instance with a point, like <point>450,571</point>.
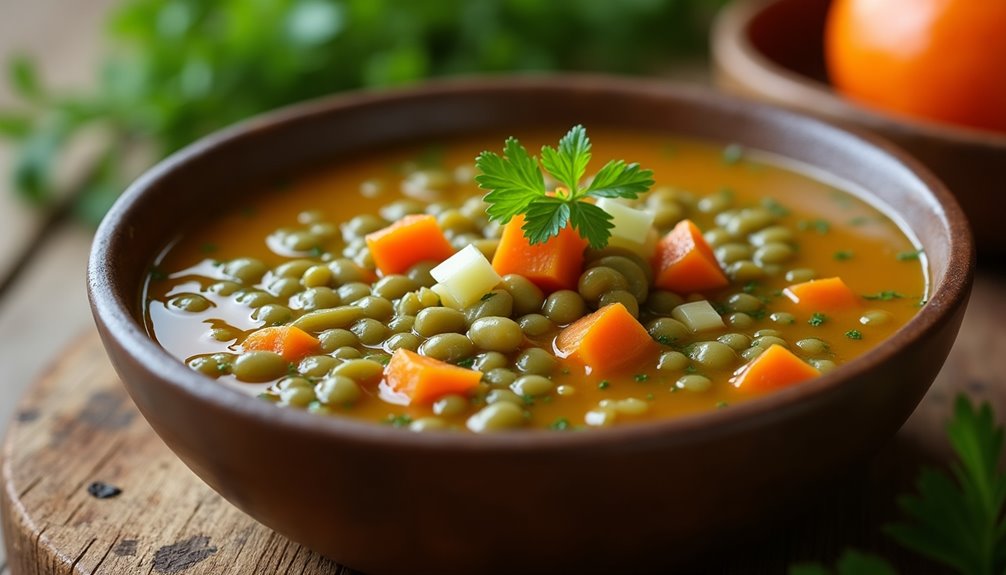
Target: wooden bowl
<point>629,498</point>
<point>773,50</point>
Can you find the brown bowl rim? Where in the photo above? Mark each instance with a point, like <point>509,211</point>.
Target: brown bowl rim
<point>113,310</point>
<point>733,50</point>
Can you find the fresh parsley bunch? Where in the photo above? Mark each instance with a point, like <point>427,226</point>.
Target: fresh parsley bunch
<point>516,185</point>
<point>955,518</point>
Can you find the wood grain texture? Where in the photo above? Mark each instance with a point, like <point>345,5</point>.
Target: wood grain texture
<point>77,426</point>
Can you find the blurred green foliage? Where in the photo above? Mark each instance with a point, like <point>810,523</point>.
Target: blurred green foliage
<point>178,69</point>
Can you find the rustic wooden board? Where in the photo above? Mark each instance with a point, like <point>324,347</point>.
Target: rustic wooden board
<point>76,426</point>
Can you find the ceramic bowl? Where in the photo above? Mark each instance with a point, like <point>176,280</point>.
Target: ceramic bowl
<point>773,50</point>
<point>631,498</point>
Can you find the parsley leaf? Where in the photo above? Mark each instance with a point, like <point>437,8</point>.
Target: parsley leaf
<point>570,162</point>
<point>620,180</point>
<point>515,180</point>
<point>516,185</point>
<point>958,517</point>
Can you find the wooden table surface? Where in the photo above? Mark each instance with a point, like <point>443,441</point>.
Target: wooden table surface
<point>43,307</point>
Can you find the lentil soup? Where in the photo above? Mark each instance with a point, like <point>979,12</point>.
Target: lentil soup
<point>302,254</point>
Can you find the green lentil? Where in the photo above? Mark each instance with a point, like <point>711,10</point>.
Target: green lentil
<point>449,347</point>
<point>353,292</point>
<point>672,361</point>
<point>783,318</point>
<point>534,325</point>
<point>359,370</point>
<point>317,276</point>
<point>800,275</point>
<point>693,382</point>
<point>315,298</point>
<point>740,320</point>
<point>495,303</point>
<point>296,397</point>
<point>564,306</point>
<point>875,317</point>
<point>667,330</point>
<point>812,346</point>
<point>402,323</point>
<point>633,271</point>
<point>284,287</point>
<point>370,331</point>
<point>489,360</point>
<point>427,424</point>
<point>245,270</point>
<point>498,395</point>
<point>325,319</point>
<point>499,377</point>
<point>316,365</point>
<point>533,385</point>
<point>272,314</point>
<point>495,417</point>
<point>337,390</point>
<point>420,273</point>
<point>450,405</point>
<point>436,320</point>
<point>190,302</point>
<point>623,297</point>
<point>394,286</point>
<point>663,302</point>
<point>736,341</point>
<point>713,354</point>
<point>407,341</point>
<point>536,361</point>
<point>333,339</point>
<point>259,366</point>
<point>527,297</point>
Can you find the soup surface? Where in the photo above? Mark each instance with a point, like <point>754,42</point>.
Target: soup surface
<point>296,254</point>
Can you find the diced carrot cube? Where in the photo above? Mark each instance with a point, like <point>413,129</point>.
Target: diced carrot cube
<point>408,241</point>
<point>291,342</point>
<point>552,265</point>
<point>605,340</point>
<point>684,262</point>
<point>775,368</point>
<point>424,379</point>
<point>822,295</point>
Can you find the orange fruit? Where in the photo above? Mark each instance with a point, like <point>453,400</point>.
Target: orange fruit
<point>942,60</point>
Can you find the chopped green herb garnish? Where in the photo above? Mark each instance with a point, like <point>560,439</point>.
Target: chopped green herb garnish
<point>157,274</point>
<point>488,296</point>
<point>721,308</point>
<point>884,296</point>
<point>561,424</point>
<point>315,252</point>
<point>820,226</point>
<point>750,287</point>
<point>208,248</point>
<point>664,340</point>
<point>721,404</point>
<point>732,154</point>
<point>527,399</point>
<point>516,185</point>
<point>775,208</point>
<point>843,255</point>
<point>842,199</point>
<point>909,256</point>
<point>650,397</point>
<point>854,334</point>
<point>860,220</point>
<point>758,314</point>
<point>817,319</point>
<point>641,377</point>
<point>402,420</point>
<point>468,362</point>
<point>605,384</point>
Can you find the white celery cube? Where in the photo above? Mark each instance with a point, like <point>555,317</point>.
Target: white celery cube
<point>631,225</point>
<point>464,278</point>
<point>698,316</point>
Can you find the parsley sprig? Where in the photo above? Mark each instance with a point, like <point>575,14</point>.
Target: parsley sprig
<point>516,185</point>
<point>956,518</point>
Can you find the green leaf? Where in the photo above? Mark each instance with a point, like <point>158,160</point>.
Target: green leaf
<point>569,163</point>
<point>957,518</point>
<point>853,562</point>
<point>14,126</point>
<point>545,218</point>
<point>593,223</point>
<point>513,181</point>
<point>24,78</point>
<point>620,180</point>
